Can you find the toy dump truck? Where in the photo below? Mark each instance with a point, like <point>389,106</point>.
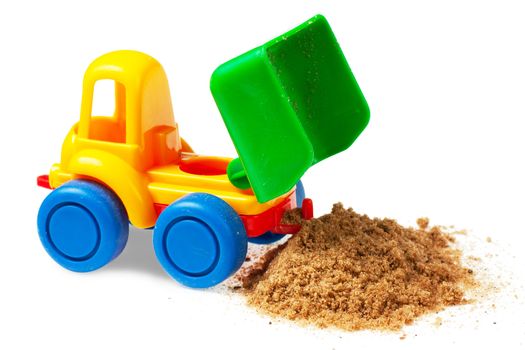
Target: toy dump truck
<point>287,105</point>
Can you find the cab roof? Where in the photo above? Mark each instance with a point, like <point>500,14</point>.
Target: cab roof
<point>117,65</point>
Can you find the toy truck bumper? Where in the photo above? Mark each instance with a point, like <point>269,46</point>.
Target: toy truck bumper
<point>270,220</point>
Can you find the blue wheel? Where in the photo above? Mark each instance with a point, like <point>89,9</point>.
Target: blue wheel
<point>270,237</point>
<point>83,225</point>
<point>200,240</point>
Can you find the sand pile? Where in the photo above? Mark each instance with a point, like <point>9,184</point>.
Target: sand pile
<point>353,272</point>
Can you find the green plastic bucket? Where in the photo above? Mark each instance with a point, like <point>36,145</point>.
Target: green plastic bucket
<point>287,105</point>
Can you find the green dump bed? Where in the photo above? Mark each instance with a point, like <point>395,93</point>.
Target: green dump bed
<point>287,105</point>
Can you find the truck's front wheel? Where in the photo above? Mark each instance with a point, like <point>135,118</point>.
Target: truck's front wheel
<point>83,225</point>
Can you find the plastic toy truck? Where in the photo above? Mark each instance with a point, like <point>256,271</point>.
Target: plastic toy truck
<point>287,105</point>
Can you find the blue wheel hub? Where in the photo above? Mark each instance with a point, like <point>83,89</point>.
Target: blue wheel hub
<point>192,247</point>
<point>73,231</point>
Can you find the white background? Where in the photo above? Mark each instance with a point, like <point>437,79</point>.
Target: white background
<point>445,82</point>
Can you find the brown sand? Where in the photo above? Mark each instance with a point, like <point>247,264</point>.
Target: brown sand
<point>349,271</point>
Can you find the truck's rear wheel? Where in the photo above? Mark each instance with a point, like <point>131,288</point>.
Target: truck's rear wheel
<point>200,240</point>
<point>83,225</point>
